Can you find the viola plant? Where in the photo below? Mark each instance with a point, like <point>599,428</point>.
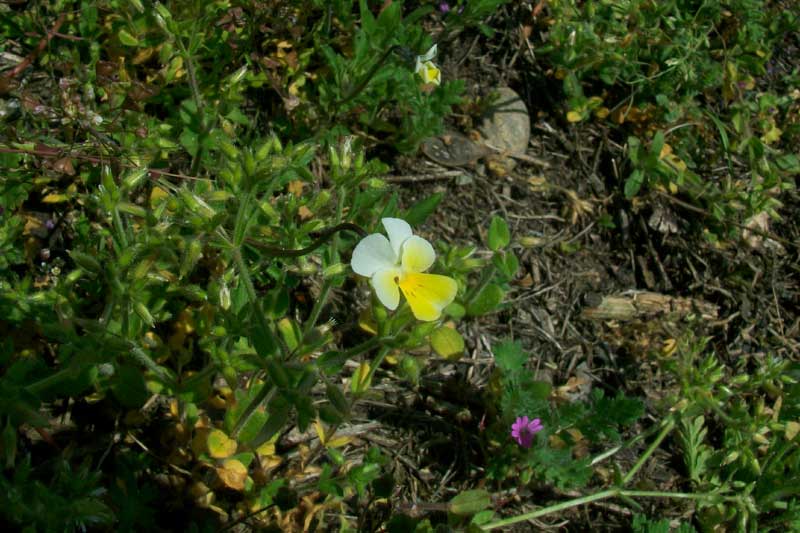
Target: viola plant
<point>189,260</point>
<point>397,264</point>
<point>426,69</point>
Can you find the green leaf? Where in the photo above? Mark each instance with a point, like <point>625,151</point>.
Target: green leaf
<point>420,211</point>
<point>657,144</point>
<point>337,399</point>
<point>448,343</point>
<point>278,416</point>
<point>509,356</point>
<point>253,426</point>
<point>455,310</point>
<point>486,301</point>
<point>189,140</point>
<point>499,236</point>
<point>277,373</point>
<point>634,183</point>
<point>483,517</point>
<point>126,38</point>
<point>128,387</point>
<point>469,502</point>
<point>262,337</point>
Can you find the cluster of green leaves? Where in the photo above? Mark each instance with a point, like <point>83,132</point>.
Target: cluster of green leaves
<point>497,271</point>
<point>567,424</point>
<point>373,84</point>
<point>739,438</point>
<point>681,80</point>
<point>71,500</point>
<point>156,252</point>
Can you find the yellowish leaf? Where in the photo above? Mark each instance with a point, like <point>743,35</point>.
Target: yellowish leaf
<point>233,474</point>
<point>54,198</point>
<point>601,112</point>
<point>304,213</point>
<point>219,445</point>
<point>157,195</point>
<point>320,429</point>
<point>361,379</point>
<point>670,345</point>
<point>338,442</point>
<point>792,428</point>
<point>448,343</point>
<point>295,187</point>
<point>574,116</point>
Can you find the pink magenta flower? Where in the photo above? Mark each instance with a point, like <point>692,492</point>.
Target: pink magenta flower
<point>523,430</point>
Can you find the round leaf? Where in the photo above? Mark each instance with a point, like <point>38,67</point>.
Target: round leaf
<point>448,343</point>
<point>233,474</point>
<point>219,445</point>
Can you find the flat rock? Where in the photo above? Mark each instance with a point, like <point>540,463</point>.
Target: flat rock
<point>506,124</point>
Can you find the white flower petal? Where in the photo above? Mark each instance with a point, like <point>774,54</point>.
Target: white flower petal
<point>398,231</point>
<point>417,255</point>
<point>371,254</point>
<point>386,289</point>
<point>427,56</point>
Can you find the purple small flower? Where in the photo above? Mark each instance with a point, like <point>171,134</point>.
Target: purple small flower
<point>49,224</point>
<point>444,7</point>
<point>523,430</point>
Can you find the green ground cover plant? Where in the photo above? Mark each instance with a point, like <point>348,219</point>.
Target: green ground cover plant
<point>208,281</point>
<point>678,81</point>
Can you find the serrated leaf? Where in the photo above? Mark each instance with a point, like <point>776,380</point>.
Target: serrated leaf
<point>448,343</point>
<point>219,445</point>
<point>509,356</point>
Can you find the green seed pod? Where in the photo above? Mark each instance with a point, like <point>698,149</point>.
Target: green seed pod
<point>135,178</point>
<point>192,254</point>
<point>132,209</point>
<point>86,262</point>
<point>143,313</point>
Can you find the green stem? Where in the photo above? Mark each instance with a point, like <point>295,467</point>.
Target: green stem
<point>365,80</point>
<point>363,347</point>
<point>486,277</point>
<point>376,363</point>
<point>322,239</point>
<point>198,102</point>
<point>123,238</point>
<point>610,493</point>
<point>626,445</point>
<point>244,273</point>
<point>668,425</point>
<point>143,359</point>
<point>52,380</point>
<point>327,284</point>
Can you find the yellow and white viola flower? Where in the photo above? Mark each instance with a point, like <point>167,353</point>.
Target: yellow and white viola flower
<point>397,264</point>
<point>426,69</point>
